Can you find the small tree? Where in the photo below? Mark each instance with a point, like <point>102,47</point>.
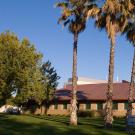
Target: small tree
<point>20,75</point>
<point>18,62</point>
<point>9,47</point>
<point>50,82</point>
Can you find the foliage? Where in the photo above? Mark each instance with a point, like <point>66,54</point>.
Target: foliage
<point>130,30</point>
<point>19,73</point>
<point>22,79</point>
<point>32,90</point>
<point>113,16</point>
<point>75,13</point>
<point>49,81</point>
<point>90,113</point>
<point>8,48</point>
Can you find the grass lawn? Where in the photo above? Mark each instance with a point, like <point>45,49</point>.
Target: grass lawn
<point>56,125</point>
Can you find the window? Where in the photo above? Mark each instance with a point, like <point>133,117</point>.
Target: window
<point>78,106</point>
<point>99,106</point>
<point>115,106</point>
<point>56,106</point>
<point>64,106</point>
<point>126,105</point>
<point>88,106</point>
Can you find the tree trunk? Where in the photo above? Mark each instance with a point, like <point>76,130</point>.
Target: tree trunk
<point>109,93</point>
<point>131,88</point>
<point>46,109</point>
<point>73,115</point>
<point>41,110</point>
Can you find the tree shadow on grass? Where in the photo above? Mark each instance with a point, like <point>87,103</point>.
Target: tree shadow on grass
<point>63,120</point>
<point>27,125</point>
<point>11,126</point>
<point>96,123</point>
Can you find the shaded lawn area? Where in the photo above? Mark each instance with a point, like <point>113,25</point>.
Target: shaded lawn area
<point>56,125</point>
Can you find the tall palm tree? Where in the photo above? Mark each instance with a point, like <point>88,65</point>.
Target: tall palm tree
<point>74,15</point>
<point>113,18</point>
<point>131,37</point>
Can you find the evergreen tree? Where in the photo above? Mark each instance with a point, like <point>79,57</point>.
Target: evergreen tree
<point>50,82</point>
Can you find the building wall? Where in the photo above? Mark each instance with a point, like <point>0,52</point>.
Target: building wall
<point>84,80</point>
<point>119,112</point>
<point>60,110</point>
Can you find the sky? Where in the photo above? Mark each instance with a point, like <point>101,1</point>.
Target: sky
<point>37,21</point>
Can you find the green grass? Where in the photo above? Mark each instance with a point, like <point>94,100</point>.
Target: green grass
<point>56,125</point>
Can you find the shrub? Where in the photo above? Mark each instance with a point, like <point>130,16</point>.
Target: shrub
<point>87,113</point>
<point>119,117</point>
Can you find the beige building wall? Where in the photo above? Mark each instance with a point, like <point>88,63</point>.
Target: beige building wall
<point>82,106</point>
<point>121,111</point>
<point>93,106</point>
<point>60,110</point>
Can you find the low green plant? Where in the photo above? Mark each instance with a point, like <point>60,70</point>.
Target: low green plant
<point>87,113</point>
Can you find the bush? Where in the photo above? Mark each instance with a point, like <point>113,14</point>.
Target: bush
<point>87,113</point>
<point>119,117</point>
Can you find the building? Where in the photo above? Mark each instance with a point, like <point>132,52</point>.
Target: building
<point>84,80</point>
<point>92,97</point>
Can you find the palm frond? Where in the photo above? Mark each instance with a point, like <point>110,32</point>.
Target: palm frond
<point>92,11</point>
<point>66,22</point>
<point>66,12</point>
<point>114,16</point>
<point>74,14</point>
<point>100,22</point>
<point>130,33</point>
<point>62,4</point>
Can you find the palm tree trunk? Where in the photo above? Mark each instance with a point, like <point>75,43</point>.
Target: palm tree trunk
<point>131,88</point>
<point>109,93</point>
<point>73,116</point>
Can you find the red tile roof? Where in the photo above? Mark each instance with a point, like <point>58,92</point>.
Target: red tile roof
<point>94,92</point>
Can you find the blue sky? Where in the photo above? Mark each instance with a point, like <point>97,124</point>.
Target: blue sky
<point>37,20</point>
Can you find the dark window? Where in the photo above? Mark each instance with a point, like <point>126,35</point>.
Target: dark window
<point>88,106</point>
<point>64,106</point>
<point>126,105</point>
<point>78,106</point>
<point>99,106</point>
<point>56,106</point>
<point>115,106</point>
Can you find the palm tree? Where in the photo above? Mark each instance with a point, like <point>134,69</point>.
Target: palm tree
<point>74,15</point>
<point>131,37</point>
<point>113,18</point>
<point>129,30</point>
